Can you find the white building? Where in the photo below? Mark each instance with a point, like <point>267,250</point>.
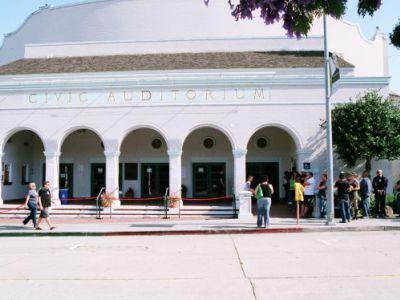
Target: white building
<point>149,94</point>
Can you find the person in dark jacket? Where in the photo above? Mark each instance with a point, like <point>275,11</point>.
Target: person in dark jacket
<point>379,183</point>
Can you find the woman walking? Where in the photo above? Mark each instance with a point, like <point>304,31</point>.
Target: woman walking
<point>265,190</point>
<point>31,202</point>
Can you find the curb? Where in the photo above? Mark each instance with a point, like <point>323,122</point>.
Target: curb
<point>201,232</point>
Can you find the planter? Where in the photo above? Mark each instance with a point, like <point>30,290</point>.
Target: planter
<point>174,202</point>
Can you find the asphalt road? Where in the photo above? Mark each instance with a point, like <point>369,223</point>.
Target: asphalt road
<point>364,265</point>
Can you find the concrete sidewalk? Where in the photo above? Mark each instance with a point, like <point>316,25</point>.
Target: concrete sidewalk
<point>175,226</point>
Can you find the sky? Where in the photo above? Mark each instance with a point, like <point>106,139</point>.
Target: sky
<point>14,12</point>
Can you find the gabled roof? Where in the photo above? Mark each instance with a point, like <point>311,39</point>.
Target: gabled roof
<point>180,61</point>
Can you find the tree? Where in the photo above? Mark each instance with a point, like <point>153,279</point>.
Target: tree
<point>365,129</point>
<point>395,36</point>
<point>298,15</point>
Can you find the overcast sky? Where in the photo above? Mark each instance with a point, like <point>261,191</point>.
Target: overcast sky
<point>14,12</point>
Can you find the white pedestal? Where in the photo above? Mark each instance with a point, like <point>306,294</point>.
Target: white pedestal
<point>245,205</point>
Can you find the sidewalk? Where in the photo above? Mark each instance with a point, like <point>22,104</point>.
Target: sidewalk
<point>175,226</point>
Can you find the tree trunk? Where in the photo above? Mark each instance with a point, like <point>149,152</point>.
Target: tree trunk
<point>368,165</point>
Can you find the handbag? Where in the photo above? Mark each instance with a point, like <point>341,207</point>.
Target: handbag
<point>259,194</point>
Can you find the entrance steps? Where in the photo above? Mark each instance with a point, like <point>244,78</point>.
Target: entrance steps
<point>131,211</point>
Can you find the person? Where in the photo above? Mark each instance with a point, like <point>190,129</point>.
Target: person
<point>365,193</point>
<point>308,194</point>
<point>221,183</point>
<point>298,195</point>
<point>247,186</point>
<point>322,187</point>
<point>343,189</point>
<point>397,191</point>
<point>45,204</point>
<point>354,197</point>
<point>286,186</point>
<point>292,182</point>
<point>379,183</point>
<point>31,202</point>
<point>264,203</point>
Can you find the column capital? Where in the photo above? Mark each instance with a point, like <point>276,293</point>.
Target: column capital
<point>174,153</point>
<point>238,153</point>
<point>52,154</point>
<point>112,153</point>
<point>304,151</point>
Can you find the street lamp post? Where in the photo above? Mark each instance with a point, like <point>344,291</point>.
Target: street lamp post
<point>331,205</point>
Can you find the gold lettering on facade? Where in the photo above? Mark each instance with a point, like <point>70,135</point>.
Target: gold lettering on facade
<point>259,94</point>
<point>191,94</point>
<point>224,94</point>
<point>127,99</point>
<point>161,95</point>
<point>58,97</point>
<point>239,97</point>
<point>111,97</point>
<point>46,97</point>
<point>69,97</point>
<point>209,94</point>
<point>174,92</point>
<point>32,99</point>
<point>146,95</point>
<point>82,97</point>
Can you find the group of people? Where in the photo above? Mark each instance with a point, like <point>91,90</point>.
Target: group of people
<point>352,194</point>
<point>38,200</point>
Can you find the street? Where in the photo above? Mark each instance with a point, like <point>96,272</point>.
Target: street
<point>340,265</point>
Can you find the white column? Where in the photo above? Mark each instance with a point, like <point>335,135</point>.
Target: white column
<point>52,174</point>
<point>175,172</point>
<point>239,173</point>
<point>1,177</point>
<point>112,174</point>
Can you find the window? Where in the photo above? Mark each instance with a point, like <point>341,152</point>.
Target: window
<point>262,143</point>
<point>131,171</point>
<point>25,174</point>
<point>7,174</point>
<point>208,143</point>
<point>156,143</point>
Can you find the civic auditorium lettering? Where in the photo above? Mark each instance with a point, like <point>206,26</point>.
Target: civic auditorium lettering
<point>149,97</point>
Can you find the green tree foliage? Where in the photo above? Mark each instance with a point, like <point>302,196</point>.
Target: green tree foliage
<point>395,36</point>
<point>297,16</point>
<point>365,129</point>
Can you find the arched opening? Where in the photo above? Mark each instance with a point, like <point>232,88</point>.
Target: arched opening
<point>271,151</point>
<point>207,164</point>
<point>82,170</point>
<point>22,162</point>
<point>144,165</point>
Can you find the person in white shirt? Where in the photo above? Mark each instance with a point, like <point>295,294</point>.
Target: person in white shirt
<point>309,192</point>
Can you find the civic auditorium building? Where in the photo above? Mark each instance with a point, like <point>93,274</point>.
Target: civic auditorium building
<point>141,95</point>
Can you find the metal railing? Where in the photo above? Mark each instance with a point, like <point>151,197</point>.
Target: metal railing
<point>98,206</point>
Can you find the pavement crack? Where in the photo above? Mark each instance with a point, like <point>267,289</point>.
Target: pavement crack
<point>253,288</point>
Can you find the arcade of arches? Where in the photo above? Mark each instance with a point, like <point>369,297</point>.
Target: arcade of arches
<point>201,165</point>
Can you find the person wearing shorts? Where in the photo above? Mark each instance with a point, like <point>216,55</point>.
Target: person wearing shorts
<point>45,204</point>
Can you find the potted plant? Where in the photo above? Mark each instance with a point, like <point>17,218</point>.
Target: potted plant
<point>174,201</point>
<point>107,199</point>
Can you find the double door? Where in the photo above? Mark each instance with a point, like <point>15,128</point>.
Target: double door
<point>155,179</point>
<point>209,180</point>
<point>260,169</point>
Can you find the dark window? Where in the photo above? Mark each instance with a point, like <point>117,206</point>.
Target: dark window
<point>156,143</point>
<point>208,143</point>
<point>131,171</point>
<point>262,143</point>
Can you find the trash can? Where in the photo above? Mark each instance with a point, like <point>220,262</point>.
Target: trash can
<point>64,196</point>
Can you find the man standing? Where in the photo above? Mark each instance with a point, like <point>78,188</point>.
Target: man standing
<point>365,192</point>
<point>379,183</point>
<point>343,189</point>
<point>45,204</point>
